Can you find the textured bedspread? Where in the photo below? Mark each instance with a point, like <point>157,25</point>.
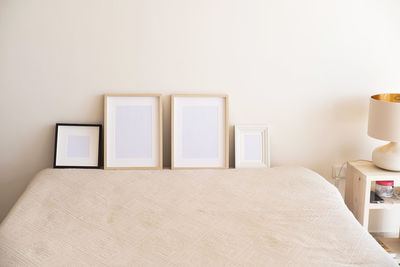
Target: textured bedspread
<point>258,217</point>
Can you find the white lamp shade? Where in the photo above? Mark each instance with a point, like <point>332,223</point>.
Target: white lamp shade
<point>384,117</point>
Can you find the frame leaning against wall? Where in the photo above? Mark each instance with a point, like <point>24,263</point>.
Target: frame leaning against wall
<point>252,146</point>
<point>133,131</point>
<point>199,131</point>
<point>77,145</point>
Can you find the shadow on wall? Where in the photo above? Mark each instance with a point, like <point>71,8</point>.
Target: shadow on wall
<point>166,103</point>
<point>17,174</point>
<point>348,119</point>
<point>328,133</point>
<point>350,110</point>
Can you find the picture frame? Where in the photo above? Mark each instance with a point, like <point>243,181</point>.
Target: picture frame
<point>77,146</point>
<point>199,131</point>
<point>133,131</point>
<point>252,149</point>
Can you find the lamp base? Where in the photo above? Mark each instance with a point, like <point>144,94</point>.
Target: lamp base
<point>387,157</point>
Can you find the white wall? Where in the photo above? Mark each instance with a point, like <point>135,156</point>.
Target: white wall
<point>306,67</point>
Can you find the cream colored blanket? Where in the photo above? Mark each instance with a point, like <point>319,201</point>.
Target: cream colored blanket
<point>247,217</point>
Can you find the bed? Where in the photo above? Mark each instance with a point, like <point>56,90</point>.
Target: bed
<point>285,216</point>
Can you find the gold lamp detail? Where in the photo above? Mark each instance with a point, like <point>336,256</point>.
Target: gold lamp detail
<point>384,124</point>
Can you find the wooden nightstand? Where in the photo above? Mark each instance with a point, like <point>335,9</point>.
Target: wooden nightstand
<point>360,178</point>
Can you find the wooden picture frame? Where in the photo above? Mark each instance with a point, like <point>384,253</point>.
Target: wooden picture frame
<point>133,131</point>
<point>77,146</point>
<point>252,146</point>
<point>199,131</point>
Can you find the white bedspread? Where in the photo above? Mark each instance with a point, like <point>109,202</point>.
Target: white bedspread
<point>259,217</point>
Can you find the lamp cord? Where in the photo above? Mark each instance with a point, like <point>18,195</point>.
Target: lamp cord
<point>337,177</point>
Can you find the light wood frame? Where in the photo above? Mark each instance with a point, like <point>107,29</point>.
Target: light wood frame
<point>226,128</point>
<point>252,129</point>
<point>160,137</point>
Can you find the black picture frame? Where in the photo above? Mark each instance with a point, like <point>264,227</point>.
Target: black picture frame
<point>99,150</point>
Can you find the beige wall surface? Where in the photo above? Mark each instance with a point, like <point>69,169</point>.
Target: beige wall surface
<point>306,68</point>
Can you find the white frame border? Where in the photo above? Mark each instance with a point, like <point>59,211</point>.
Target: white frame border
<point>251,128</point>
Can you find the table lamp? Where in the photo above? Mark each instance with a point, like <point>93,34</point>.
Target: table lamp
<point>384,124</point>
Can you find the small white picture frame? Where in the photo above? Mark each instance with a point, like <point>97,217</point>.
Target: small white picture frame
<point>77,145</point>
<point>252,146</point>
<point>133,131</point>
<point>199,132</point>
